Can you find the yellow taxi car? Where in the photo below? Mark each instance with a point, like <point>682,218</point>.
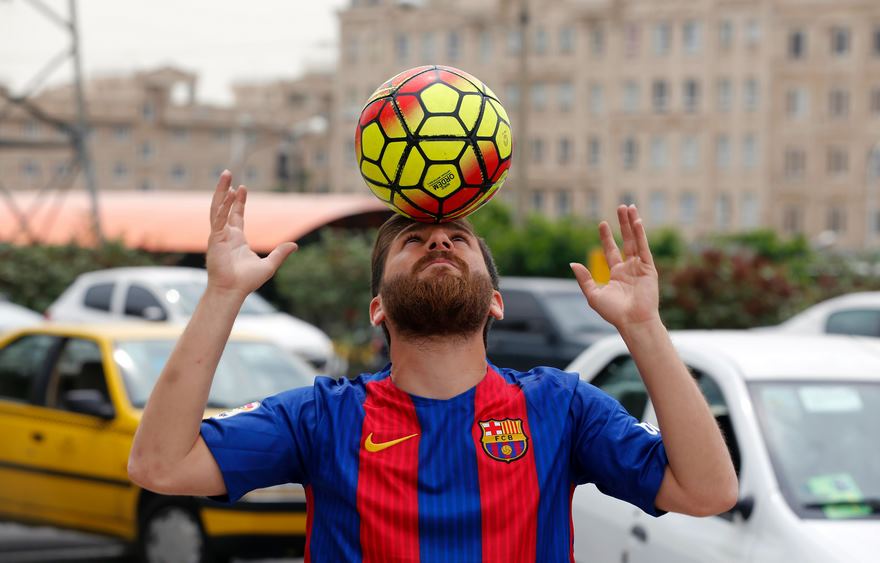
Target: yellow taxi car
<point>70,401</point>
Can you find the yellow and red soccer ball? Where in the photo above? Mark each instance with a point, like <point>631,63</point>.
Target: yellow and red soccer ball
<point>434,143</point>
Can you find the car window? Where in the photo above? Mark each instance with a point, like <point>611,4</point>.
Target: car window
<point>574,315</point>
<point>522,313</point>
<point>79,366</point>
<point>98,296</point>
<point>138,299</point>
<point>21,363</point>
<point>621,380</point>
<point>186,295</point>
<point>861,322</point>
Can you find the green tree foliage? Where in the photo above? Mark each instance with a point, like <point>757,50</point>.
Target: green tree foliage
<point>34,276</point>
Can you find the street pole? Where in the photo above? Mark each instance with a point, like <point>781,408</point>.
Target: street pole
<point>871,186</point>
<point>83,130</point>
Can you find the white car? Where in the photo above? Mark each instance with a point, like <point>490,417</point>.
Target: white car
<point>171,294</point>
<point>15,316</point>
<point>854,313</point>
<point>801,415</point>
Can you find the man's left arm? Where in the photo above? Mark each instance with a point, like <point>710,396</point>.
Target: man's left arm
<point>699,479</point>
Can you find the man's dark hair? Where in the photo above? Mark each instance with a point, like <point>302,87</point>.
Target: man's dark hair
<point>393,227</point>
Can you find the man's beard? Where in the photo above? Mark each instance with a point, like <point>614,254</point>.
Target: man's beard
<point>437,305</point>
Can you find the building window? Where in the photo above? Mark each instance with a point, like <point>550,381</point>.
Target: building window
<point>690,153</point>
<point>537,150</point>
<point>752,95</point>
<point>178,172</point>
<point>722,152</point>
<point>838,161</point>
<point>792,222</point>
<point>512,94</point>
<point>750,152</point>
<point>660,96</point>
<point>797,103</point>
<point>627,198</point>
<point>251,174</point>
<point>630,154</point>
<point>148,112</point>
<point>122,133</point>
<point>353,48</point>
<point>597,40</point>
<point>453,46</point>
<point>724,91</point>
<point>564,150</point>
<point>658,153</point>
<point>180,134</point>
<point>691,96</point>
<point>401,47</point>
<point>120,171</point>
<point>875,42</point>
<point>874,101</point>
<point>566,40</point>
<point>31,128</point>
<point>693,40</point>
<point>563,203</point>
<point>661,38</point>
<point>795,163</point>
<point>687,208</point>
<point>630,96</point>
<point>514,42</point>
<point>539,96</point>
<point>838,103</point>
<point>30,169</point>
<point>428,48</point>
<point>597,100</point>
<point>147,151</point>
<point>566,96</point>
<point>221,135</point>
<point>485,46</point>
<point>797,44</point>
<point>631,40</point>
<point>537,201</point>
<point>657,208</point>
<point>836,221</point>
<point>753,33</point>
<point>750,211</point>
<point>593,205</point>
<point>540,46</point>
<point>839,41</point>
<point>725,35</point>
<point>594,152</point>
<point>723,212</point>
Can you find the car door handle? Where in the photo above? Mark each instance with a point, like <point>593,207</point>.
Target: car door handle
<point>37,436</point>
<point>639,533</point>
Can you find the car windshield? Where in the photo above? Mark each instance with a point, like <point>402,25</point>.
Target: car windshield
<point>822,440</point>
<point>186,294</point>
<point>574,314</point>
<point>248,371</point>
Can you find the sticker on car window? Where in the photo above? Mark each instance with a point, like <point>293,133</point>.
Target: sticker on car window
<point>827,399</point>
<point>238,410</point>
<point>840,494</point>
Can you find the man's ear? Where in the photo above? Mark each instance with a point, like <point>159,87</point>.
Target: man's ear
<point>377,314</point>
<point>496,307</point>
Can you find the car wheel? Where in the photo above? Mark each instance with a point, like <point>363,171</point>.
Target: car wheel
<point>172,532</point>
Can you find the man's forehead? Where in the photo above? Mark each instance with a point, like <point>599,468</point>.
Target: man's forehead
<point>452,226</point>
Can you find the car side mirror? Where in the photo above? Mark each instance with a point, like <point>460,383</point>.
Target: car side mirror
<point>89,401</point>
<point>153,313</point>
<point>744,506</point>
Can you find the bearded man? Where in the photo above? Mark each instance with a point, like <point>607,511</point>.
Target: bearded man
<point>441,456</point>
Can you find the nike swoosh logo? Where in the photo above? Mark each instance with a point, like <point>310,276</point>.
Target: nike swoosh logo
<point>372,446</point>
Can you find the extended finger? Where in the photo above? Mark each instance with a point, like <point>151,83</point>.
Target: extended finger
<point>629,242</point>
<point>223,184</point>
<point>236,217</point>
<point>585,280</point>
<point>641,237</point>
<point>222,216</point>
<point>609,246</point>
<point>280,254</point>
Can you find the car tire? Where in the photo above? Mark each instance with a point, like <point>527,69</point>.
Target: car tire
<point>171,531</point>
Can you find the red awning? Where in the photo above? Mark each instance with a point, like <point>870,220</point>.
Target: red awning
<point>174,221</point>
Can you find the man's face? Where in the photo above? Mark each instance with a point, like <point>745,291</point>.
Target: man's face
<point>436,283</point>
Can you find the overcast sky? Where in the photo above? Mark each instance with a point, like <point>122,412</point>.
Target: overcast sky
<point>221,40</point>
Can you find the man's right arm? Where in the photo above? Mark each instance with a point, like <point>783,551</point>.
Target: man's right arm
<point>168,455</point>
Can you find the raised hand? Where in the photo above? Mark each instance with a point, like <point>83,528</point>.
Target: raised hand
<point>632,295</point>
<point>232,265</point>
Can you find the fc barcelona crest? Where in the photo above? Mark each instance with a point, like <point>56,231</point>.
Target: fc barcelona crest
<point>504,439</point>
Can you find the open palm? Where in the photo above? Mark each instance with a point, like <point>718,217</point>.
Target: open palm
<point>232,265</point>
<point>632,293</point>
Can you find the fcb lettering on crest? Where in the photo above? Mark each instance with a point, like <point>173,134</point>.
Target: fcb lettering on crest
<point>504,440</point>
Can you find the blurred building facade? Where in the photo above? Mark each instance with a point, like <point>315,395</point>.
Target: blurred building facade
<point>148,133</point>
<point>711,115</point>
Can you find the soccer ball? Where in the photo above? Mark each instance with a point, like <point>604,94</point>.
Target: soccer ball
<point>433,143</point>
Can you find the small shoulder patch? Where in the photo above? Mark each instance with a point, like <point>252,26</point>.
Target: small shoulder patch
<point>238,410</point>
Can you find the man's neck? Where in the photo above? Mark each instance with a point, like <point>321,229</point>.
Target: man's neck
<point>437,368</point>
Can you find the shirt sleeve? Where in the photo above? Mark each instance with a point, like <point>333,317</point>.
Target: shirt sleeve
<point>623,457</point>
<point>264,443</point>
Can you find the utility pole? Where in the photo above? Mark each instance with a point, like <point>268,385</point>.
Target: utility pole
<point>522,128</point>
<point>83,133</point>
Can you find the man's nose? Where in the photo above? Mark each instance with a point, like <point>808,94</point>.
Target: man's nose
<point>439,240</point>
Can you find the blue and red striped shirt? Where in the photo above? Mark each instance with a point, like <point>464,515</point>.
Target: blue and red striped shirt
<point>486,475</point>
